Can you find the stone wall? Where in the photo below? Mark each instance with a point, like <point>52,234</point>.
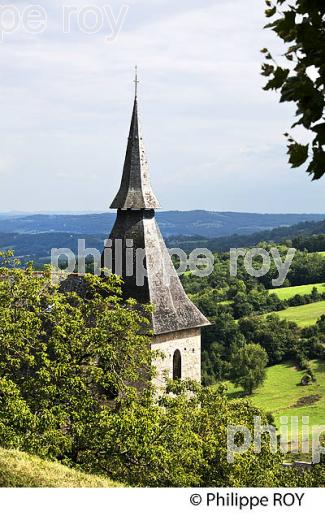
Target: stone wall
<point>188,342</point>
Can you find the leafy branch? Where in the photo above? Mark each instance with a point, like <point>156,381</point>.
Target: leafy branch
<point>301,27</point>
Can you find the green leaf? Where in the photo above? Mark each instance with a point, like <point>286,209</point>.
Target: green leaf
<point>267,69</point>
<point>298,154</point>
<point>285,27</point>
<point>320,131</point>
<point>279,77</point>
<point>317,165</point>
<point>270,12</point>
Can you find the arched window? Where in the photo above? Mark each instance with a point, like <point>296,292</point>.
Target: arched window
<point>177,365</point>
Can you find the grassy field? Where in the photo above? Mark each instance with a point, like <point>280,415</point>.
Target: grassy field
<point>284,293</point>
<point>303,315</point>
<point>282,394</point>
<point>19,469</point>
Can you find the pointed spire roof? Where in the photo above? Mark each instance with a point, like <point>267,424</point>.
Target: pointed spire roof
<point>135,191</point>
<point>172,309</point>
<point>161,287</point>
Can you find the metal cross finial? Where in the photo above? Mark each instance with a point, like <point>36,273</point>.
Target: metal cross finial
<point>136,81</point>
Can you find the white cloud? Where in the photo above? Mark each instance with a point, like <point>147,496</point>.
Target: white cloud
<point>66,102</point>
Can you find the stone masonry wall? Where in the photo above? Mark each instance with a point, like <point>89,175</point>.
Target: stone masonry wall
<point>188,342</point>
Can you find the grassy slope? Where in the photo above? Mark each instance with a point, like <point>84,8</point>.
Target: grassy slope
<point>19,469</point>
<point>284,293</point>
<point>281,392</point>
<point>303,315</point>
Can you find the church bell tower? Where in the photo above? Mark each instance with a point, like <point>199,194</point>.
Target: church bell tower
<point>136,241</point>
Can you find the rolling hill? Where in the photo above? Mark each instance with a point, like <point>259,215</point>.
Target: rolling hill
<point>303,315</point>
<point>285,293</point>
<point>277,235</point>
<point>37,247</point>
<point>35,243</point>
<point>208,224</point>
<point>282,395</point>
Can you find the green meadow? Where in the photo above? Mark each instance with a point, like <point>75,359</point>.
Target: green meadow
<point>285,293</point>
<point>283,395</point>
<point>303,315</point>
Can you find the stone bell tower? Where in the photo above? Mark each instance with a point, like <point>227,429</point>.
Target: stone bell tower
<point>176,322</point>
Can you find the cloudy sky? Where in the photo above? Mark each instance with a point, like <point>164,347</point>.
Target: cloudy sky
<point>214,138</point>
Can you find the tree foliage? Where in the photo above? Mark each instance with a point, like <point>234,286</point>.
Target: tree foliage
<point>301,79</point>
<point>248,367</point>
<point>74,386</point>
<point>63,357</point>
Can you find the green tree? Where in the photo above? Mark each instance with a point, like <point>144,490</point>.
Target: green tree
<point>70,371</point>
<point>279,338</point>
<point>181,443</point>
<point>300,25</point>
<point>75,374</point>
<point>248,367</point>
<point>63,357</point>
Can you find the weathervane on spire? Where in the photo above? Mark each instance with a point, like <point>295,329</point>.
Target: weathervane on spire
<point>136,81</point>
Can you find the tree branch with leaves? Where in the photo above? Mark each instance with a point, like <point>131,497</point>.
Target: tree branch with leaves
<point>300,24</point>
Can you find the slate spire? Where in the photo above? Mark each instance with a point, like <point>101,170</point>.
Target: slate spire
<point>135,191</point>
<point>136,227</point>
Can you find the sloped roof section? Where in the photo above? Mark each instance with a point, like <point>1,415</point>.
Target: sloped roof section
<point>173,310</point>
<point>161,287</point>
<point>135,191</point>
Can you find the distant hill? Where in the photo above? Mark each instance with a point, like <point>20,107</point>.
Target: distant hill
<point>37,246</point>
<point>303,229</point>
<point>208,224</point>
